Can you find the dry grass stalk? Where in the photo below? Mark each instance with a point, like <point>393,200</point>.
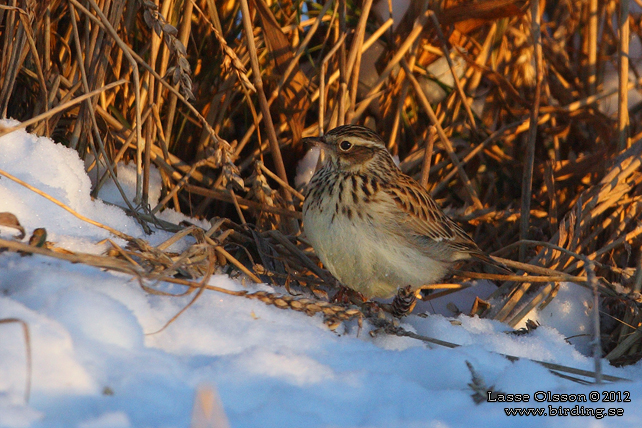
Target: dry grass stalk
<point>442,135</point>
<point>595,316</point>
<point>527,180</point>
<point>584,193</point>
<point>460,89</point>
<point>334,314</point>
<point>399,331</point>
<point>592,47</point>
<point>65,207</point>
<point>623,83</point>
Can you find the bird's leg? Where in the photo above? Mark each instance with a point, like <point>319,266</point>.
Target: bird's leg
<point>404,302</point>
<point>348,296</point>
<point>340,296</point>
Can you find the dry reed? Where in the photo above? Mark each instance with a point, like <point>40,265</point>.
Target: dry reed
<point>196,87</point>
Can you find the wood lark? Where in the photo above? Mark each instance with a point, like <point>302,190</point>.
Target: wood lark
<point>374,228</point>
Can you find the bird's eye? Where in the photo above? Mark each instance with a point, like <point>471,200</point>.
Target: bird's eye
<point>345,145</point>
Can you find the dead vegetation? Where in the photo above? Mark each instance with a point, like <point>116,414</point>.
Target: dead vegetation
<point>218,94</point>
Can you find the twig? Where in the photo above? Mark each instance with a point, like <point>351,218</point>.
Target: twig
<point>300,50</point>
<point>354,60</point>
<point>66,208</point>
<point>236,263</point>
<point>179,185</point>
<point>169,87</point>
<point>283,240</point>
<point>460,89</point>
<point>576,105</point>
<point>542,295</point>
<point>425,168</point>
<point>623,72</point>
<point>210,271</point>
<point>243,203</point>
<point>443,182</point>
<point>595,315</point>
<point>366,45</point>
<point>638,276</point>
<point>139,140</point>
<point>625,345</point>
<point>235,202</point>
<point>442,135</point>
<point>24,18</point>
<point>282,81</point>
<point>92,114</point>
<point>281,182</point>
<point>399,331</point>
<point>59,108</point>
<point>322,91</point>
<point>519,278</point>
<point>183,37</point>
<point>527,180</point>
<point>407,44</point>
<point>265,108</point>
<point>592,46</point>
<point>394,129</point>
<point>343,74</point>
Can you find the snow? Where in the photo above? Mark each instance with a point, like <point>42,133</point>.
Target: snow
<point>440,75</point>
<point>399,9</point>
<point>306,167</point>
<point>99,359</point>
<point>570,311</point>
<point>609,105</point>
<point>127,179</point>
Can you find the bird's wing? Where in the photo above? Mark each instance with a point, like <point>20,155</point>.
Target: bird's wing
<point>423,218</point>
<point>430,228</point>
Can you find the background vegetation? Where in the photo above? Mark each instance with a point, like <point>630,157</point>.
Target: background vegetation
<point>218,94</point>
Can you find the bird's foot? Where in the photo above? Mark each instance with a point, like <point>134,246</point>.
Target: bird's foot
<point>369,308</point>
<point>348,296</point>
<point>404,302</point>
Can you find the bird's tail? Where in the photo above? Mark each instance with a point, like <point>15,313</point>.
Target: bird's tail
<point>497,265</point>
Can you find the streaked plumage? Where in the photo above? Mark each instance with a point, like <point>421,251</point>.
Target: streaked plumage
<point>373,227</point>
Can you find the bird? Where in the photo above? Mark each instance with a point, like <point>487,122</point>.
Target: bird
<point>376,229</point>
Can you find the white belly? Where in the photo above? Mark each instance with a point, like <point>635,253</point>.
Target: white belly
<point>364,255</point>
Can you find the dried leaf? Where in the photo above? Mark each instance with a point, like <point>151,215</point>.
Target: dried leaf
<point>260,189</point>
<point>294,101</point>
<point>231,60</point>
<point>231,177</point>
<point>183,64</point>
<point>150,4</point>
<point>10,220</point>
<point>157,28</point>
<point>147,16</point>
<point>38,237</point>
<point>170,29</point>
<point>468,16</point>
<point>180,48</point>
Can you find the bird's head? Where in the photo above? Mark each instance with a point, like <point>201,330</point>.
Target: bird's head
<point>353,148</point>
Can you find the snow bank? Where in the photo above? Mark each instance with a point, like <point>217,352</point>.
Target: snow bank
<point>99,360</point>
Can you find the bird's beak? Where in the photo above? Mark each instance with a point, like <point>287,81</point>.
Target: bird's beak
<point>315,141</point>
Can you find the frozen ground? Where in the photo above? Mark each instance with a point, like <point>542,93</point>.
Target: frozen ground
<point>95,363</point>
